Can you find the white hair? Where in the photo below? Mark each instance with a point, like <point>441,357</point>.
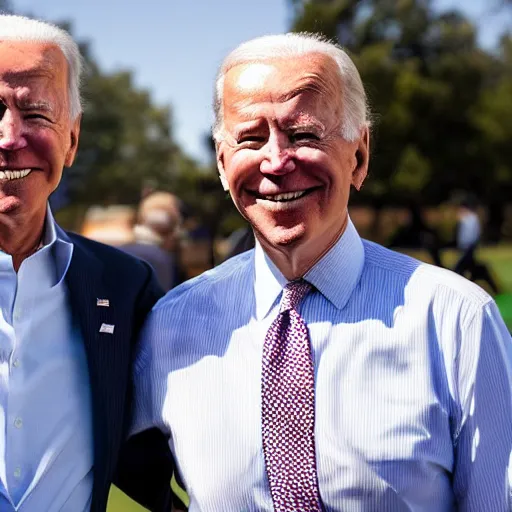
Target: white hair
<point>356,113</point>
<point>20,28</point>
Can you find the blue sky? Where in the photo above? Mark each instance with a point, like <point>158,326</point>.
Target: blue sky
<point>175,46</point>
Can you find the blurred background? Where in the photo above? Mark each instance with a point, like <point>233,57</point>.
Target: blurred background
<point>439,80</point>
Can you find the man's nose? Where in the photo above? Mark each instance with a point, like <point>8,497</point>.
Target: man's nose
<point>278,158</point>
<point>12,135</point>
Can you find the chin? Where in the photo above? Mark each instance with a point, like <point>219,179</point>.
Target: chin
<point>286,237</point>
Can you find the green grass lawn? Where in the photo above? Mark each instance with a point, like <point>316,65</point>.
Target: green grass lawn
<point>119,502</point>
<point>499,260</point>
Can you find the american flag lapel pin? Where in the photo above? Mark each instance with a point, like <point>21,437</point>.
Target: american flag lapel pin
<point>107,328</point>
<point>103,303</point>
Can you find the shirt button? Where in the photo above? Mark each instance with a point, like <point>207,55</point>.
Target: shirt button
<point>17,473</point>
<point>18,423</point>
<point>16,363</point>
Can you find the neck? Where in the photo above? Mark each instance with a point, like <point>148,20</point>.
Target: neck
<point>21,237</point>
<point>294,261</point>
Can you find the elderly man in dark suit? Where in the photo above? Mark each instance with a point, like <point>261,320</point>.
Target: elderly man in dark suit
<point>71,309</point>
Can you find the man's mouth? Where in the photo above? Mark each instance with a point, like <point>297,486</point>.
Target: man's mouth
<point>287,197</point>
<point>7,174</point>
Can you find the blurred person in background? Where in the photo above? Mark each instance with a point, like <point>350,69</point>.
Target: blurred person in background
<point>320,371</point>
<point>156,237</point>
<point>111,225</point>
<point>71,308</point>
<point>467,237</point>
<point>417,234</point>
<point>240,241</point>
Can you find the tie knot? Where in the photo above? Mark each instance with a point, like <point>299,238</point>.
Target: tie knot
<point>293,294</point>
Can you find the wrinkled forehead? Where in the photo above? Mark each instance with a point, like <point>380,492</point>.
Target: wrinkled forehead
<point>27,62</point>
<point>281,80</point>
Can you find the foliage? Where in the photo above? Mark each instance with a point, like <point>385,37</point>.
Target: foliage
<point>443,105</point>
<point>492,118</point>
<point>5,6</point>
<point>127,146</point>
<point>125,142</point>
<point>201,191</point>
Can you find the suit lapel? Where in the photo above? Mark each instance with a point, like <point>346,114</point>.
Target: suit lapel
<point>108,362</point>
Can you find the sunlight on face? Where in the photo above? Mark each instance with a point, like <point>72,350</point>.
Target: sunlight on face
<point>282,131</point>
<point>254,76</point>
<point>36,133</point>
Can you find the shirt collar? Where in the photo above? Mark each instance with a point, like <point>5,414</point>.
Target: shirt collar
<point>335,275</point>
<point>56,249</point>
<point>55,252</point>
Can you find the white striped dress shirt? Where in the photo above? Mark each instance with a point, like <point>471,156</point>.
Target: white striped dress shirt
<point>413,383</point>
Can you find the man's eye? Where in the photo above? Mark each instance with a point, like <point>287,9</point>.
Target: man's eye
<point>298,136</point>
<point>251,139</point>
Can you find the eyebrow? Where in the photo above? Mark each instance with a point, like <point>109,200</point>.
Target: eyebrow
<point>27,104</point>
<point>293,93</point>
<point>38,71</point>
<point>302,123</point>
<point>309,84</point>
<point>246,110</point>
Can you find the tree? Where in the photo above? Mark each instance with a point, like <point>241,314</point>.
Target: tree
<point>432,89</point>
<point>5,6</point>
<point>202,192</point>
<point>125,142</point>
<point>492,116</point>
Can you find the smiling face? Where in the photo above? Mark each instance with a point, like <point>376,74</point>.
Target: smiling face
<point>288,169</point>
<point>37,137</point>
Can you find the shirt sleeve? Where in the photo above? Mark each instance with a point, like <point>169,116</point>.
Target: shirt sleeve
<point>483,441</point>
<point>148,393</point>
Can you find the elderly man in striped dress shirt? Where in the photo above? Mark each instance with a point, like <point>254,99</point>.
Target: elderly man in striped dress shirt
<point>320,371</point>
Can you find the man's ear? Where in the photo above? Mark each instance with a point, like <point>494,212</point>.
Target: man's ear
<point>362,158</point>
<point>220,167</point>
<point>73,146</point>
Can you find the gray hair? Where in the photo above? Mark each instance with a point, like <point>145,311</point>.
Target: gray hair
<point>20,28</point>
<point>356,114</point>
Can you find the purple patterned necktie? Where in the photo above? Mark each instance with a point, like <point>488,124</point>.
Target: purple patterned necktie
<point>288,408</point>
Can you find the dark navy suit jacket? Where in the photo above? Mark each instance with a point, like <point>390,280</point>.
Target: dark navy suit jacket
<point>97,272</point>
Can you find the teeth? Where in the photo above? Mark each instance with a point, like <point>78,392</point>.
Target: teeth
<point>13,175</point>
<point>286,197</point>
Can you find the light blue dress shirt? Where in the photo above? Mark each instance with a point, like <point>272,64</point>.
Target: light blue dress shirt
<point>46,447</point>
<point>413,380</point>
